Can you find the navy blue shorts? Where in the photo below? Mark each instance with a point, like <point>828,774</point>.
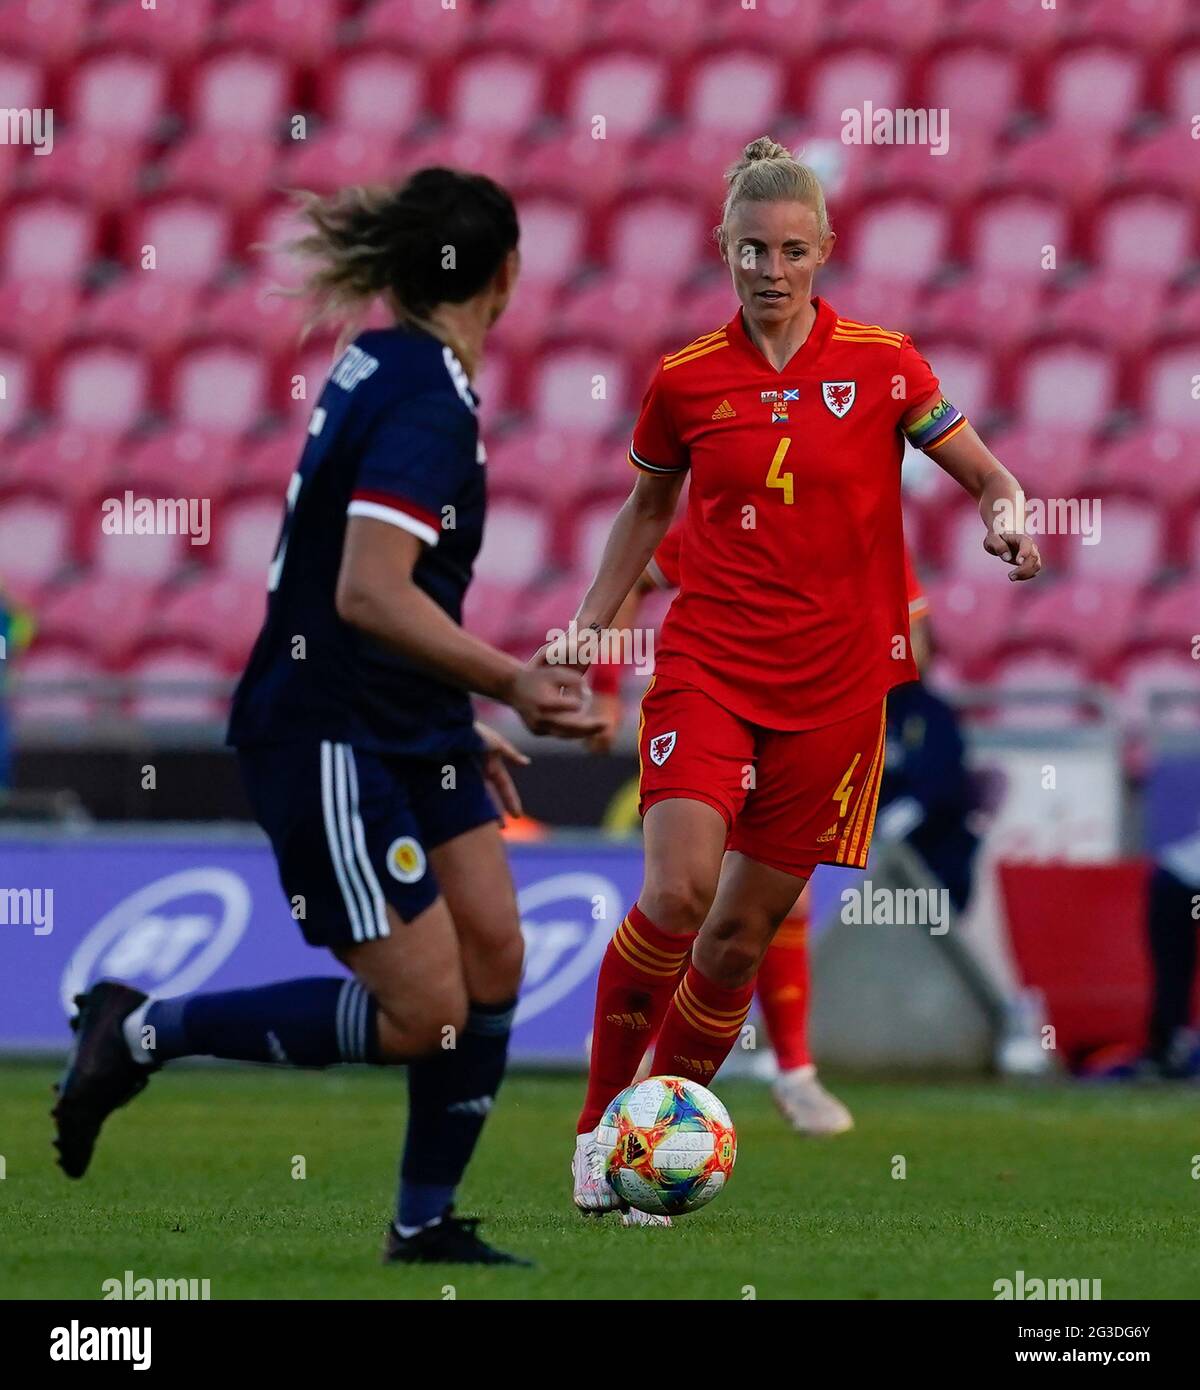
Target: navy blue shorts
<point>351,830</point>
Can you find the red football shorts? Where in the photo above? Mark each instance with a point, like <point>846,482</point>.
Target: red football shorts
<point>790,800</point>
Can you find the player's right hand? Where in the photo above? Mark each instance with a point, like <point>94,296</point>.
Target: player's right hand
<point>552,700</point>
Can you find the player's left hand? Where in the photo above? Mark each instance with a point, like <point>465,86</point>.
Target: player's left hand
<point>1017,549</point>
<point>497,752</point>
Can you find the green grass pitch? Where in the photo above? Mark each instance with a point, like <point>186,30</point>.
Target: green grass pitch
<point>194,1179</point>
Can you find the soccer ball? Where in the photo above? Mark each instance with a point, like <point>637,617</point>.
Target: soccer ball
<point>668,1145</point>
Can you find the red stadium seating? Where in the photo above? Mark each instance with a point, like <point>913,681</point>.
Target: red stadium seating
<point>1132,536</point>
<point>220,613</point>
<point>557,26</point>
<point>154,309</point>
<point>972,617</point>
<point>1121,307</point>
<point>121,93</point>
<point>105,615</point>
<point>50,28</point>
<point>38,314</point>
<point>304,32</point>
<point>219,386</point>
<point>1169,386</point>
<point>919,225</point>
<point>101,386</point>
<point>427,29</point>
<point>1155,459</point>
<point>181,461</point>
<point>516,541</point>
<point>35,535</point>
<point>1147,676</point>
<point>62,683</point>
<point>73,464</point>
<point>1162,226</point>
<point>377,90</point>
<point>1065,385</point>
<point>102,169</point>
<point>48,238</point>
<point>983,81</point>
<point>1181,86</point>
<point>1049,462</point>
<point>674,27</point>
<point>1094,85</point>
<point>15,399</point>
<point>173,27</point>
<point>847,77</point>
<point>221,164</point>
<point>245,90</point>
<point>581,389</point>
<point>627,87</point>
<point>1008,232</point>
<point>489,608</point>
<point>171,686</point>
<point>497,90</point>
<point>189,238</point>
<point>734,94</point>
<point>1091,618</point>
<point>246,537</point>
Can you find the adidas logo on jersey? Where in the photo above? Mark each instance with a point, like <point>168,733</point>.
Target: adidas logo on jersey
<point>724,412</point>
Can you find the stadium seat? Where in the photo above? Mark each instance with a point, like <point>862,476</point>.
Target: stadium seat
<point>246,533</point>
<point>1159,460</point>
<point>516,540</point>
<point>627,87</point>
<point>496,90</point>
<point>1160,225</point>
<point>101,386</point>
<point>22,82</point>
<point>981,80</point>
<point>1181,86</point>
<point>174,28</point>
<point>337,158</point>
<point>681,162</point>
<point>523,323</point>
<point>154,310</point>
<point>543,608</point>
<point>38,314</point>
<point>1094,85</point>
<point>1171,616</point>
<point>1008,230</point>
<point>150,556</point>
<point>191,239</point>
<point>35,535</point>
<point>619,310</point>
<point>120,93</point>
<point>1049,462</point>
<point>303,31</point>
<point>221,613</point>
<point>224,165</point>
<point>551,464</point>
<point>244,90</point>
<point>904,26</point>
<point>16,399</point>
<point>581,389</point>
<point>102,169</point>
<point>428,30</point>
<point>489,608</point>
<point>102,614</point>
<point>845,78</point>
<point>962,546</point>
<point>1066,385</point>
<point>1139,25</point>
<point>45,666</point>
<point>1124,309</point>
<point>1075,162</point>
<point>49,28</point>
<point>971,617</point>
<point>268,461</point>
<point>252,310</point>
<point>1162,158</point>
<point>924,170</point>
<point>1092,617</point>
<point>591,523</point>
<point>575,167</point>
<point>187,459</point>
<point>734,94</point>
<point>663,238</point>
<point>71,463</point>
<point>377,90</point>
<point>178,685</point>
<point>1132,541</point>
<point>219,386</point>
<point>919,225</point>
<point>675,27</point>
<point>48,238</point>
<point>964,372</point>
<point>495,153</point>
<point>1169,395</point>
<point>556,26</point>
<point>552,239</point>
<point>992,308</point>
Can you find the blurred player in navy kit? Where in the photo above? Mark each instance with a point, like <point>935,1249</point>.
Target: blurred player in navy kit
<point>354,725</point>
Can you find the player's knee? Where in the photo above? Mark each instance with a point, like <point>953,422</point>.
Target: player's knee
<point>678,903</point>
<point>730,953</point>
<point>409,1028</point>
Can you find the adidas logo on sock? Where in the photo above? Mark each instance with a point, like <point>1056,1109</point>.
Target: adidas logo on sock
<point>635,1020</point>
<point>724,411</point>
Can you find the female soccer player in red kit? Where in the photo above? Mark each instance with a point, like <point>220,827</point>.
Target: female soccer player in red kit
<point>782,984</point>
<point>761,734</point>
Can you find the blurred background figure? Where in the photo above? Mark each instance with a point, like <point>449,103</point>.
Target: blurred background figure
<point>16,632</point>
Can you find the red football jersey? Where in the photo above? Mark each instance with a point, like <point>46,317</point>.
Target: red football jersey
<point>792,595</point>
<point>664,570</point>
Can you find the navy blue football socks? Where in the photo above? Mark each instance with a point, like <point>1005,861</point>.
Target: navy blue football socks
<point>450,1095</point>
<point>302,1023</point>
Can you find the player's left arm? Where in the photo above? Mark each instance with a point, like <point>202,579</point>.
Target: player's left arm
<point>961,453</point>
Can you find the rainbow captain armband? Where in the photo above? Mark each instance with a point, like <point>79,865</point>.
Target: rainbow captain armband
<point>935,426</point>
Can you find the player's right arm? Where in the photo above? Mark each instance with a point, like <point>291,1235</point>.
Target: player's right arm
<point>376,593</point>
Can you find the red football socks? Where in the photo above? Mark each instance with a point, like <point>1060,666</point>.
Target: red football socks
<point>638,975</point>
<point>783,989</point>
<point>700,1028</point>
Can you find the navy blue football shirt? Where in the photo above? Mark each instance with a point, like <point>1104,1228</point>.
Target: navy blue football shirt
<point>394,436</point>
